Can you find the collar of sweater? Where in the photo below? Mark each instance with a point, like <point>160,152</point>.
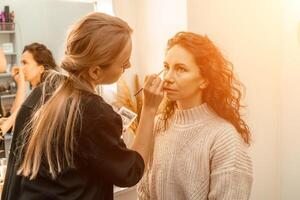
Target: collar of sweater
<point>196,114</point>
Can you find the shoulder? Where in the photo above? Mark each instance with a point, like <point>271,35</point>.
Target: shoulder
<point>227,141</point>
<point>34,97</point>
<point>99,118</point>
<point>95,107</point>
<point>94,102</point>
<point>223,136</point>
<point>223,129</point>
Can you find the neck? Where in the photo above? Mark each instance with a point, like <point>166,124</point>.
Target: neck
<point>189,102</point>
<point>34,83</point>
<point>198,114</point>
<point>94,86</point>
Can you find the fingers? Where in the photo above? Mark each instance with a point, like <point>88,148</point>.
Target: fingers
<point>160,87</point>
<point>16,70</point>
<point>149,80</point>
<point>2,120</point>
<point>154,84</point>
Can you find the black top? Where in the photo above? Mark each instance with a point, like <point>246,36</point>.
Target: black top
<point>101,156</point>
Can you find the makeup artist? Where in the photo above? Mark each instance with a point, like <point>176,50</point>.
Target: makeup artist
<point>72,147</point>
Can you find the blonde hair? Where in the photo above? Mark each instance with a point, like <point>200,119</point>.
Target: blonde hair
<point>96,40</point>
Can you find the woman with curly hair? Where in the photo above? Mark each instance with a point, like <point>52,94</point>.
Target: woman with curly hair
<point>200,148</point>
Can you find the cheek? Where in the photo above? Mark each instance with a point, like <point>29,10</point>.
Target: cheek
<point>188,85</point>
<point>32,71</point>
<point>112,75</point>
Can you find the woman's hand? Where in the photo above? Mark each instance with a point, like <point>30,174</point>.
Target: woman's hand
<point>153,95</point>
<point>2,126</point>
<point>18,74</point>
<point>153,92</point>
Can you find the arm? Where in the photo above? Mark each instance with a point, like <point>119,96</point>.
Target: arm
<point>153,96</point>
<point>102,150</point>
<point>18,74</point>
<point>7,123</point>
<point>231,168</point>
<point>2,62</point>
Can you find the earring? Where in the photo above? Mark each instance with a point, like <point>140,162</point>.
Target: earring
<point>203,85</point>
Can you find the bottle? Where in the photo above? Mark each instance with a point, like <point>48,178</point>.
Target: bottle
<point>6,13</point>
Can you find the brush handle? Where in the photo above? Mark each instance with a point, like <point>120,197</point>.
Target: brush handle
<point>139,91</point>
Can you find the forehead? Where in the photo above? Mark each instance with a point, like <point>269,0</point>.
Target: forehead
<point>126,52</point>
<point>27,56</point>
<point>178,54</point>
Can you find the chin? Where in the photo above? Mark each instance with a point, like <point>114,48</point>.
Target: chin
<point>110,81</point>
<point>171,97</point>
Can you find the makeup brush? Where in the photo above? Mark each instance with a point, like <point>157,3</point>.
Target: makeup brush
<point>143,88</point>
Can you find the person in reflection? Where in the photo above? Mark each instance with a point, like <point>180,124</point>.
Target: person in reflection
<point>201,142</point>
<point>3,62</point>
<point>67,141</point>
<point>37,60</point>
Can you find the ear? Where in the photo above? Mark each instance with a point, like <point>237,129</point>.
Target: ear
<point>95,73</point>
<point>42,68</point>
<point>203,84</point>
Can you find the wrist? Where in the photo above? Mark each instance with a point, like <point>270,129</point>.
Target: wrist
<point>149,110</point>
<point>21,84</point>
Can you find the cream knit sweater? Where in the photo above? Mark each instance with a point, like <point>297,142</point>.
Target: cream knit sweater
<point>199,157</point>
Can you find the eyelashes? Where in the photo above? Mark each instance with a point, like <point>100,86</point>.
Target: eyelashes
<point>177,69</point>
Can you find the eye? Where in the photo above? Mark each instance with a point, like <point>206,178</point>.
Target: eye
<point>166,67</point>
<point>180,69</point>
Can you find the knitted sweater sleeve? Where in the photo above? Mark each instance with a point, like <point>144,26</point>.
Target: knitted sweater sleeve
<point>231,168</point>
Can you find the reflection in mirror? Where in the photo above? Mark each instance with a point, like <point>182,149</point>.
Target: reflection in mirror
<point>26,22</point>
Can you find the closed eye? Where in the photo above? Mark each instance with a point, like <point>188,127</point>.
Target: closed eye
<point>180,69</point>
<point>166,67</point>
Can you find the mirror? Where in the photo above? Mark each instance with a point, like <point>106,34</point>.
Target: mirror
<point>25,22</point>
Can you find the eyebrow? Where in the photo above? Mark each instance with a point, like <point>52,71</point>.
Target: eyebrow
<point>176,64</point>
<point>180,64</point>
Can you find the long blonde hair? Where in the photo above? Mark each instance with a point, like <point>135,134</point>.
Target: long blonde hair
<point>96,40</point>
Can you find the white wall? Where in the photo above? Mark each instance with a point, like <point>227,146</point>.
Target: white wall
<point>127,10</point>
<point>249,34</point>
<point>157,22</point>
<point>153,22</point>
<point>290,107</point>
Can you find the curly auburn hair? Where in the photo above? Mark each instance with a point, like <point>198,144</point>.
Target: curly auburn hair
<point>223,93</point>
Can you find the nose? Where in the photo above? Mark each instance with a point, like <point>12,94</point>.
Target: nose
<point>127,66</point>
<point>169,76</point>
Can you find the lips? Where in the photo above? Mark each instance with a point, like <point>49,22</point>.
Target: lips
<point>169,90</point>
